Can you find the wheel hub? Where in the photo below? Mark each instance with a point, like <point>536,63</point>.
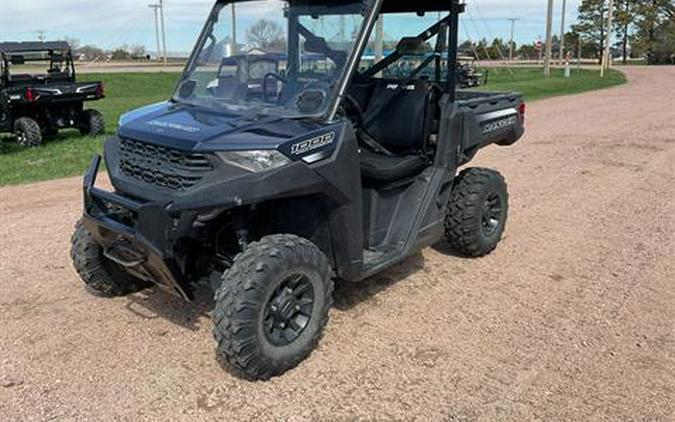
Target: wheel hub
<point>492,214</point>
<point>289,310</point>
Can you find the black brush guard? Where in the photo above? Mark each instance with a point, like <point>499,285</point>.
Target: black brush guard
<point>147,254</point>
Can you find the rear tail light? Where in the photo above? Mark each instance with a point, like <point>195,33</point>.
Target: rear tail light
<point>100,90</point>
<point>30,95</point>
<point>521,112</point>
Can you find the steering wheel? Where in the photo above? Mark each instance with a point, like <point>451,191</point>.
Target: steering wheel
<point>277,78</point>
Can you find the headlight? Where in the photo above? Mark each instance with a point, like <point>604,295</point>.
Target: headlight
<point>254,161</point>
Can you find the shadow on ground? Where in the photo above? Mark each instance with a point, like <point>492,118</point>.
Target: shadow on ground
<point>155,303</point>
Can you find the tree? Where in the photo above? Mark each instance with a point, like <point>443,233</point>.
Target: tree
<point>266,34</point>
<point>74,43</point>
<point>528,52</point>
<point>591,26</point>
<point>653,29</point>
<point>137,51</point>
<point>121,53</point>
<point>626,13</point>
<point>90,52</point>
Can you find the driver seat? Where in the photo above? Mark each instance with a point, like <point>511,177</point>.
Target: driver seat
<point>400,121</point>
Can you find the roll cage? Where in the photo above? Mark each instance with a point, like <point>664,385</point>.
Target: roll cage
<point>446,29</point>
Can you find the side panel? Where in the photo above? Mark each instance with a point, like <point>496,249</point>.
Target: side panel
<point>346,220</point>
<point>489,119</point>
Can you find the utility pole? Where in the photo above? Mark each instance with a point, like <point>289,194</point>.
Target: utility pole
<point>513,24</point>
<point>562,32</point>
<point>549,39</point>
<point>379,40</point>
<point>161,12</point>
<point>155,9</point>
<point>608,40</point>
<point>342,31</point>
<point>234,30</point>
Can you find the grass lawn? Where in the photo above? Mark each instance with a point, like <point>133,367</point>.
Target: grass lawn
<point>69,154</point>
<point>534,86</point>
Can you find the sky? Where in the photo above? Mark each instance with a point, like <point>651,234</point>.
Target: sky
<point>109,24</point>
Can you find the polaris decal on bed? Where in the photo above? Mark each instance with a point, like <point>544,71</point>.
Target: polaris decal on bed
<point>309,145</point>
<point>499,120</point>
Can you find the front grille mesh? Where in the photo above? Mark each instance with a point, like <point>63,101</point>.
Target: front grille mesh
<point>164,167</point>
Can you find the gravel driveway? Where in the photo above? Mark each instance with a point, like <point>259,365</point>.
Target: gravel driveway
<point>572,318</point>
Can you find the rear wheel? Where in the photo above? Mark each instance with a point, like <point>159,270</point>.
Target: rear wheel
<point>477,212</point>
<point>27,131</point>
<point>92,123</point>
<point>272,306</point>
<point>101,276</point>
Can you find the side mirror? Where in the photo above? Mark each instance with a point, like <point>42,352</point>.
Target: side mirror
<point>187,88</point>
<point>17,60</point>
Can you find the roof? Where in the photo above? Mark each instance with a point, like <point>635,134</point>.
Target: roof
<point>19,47</point>
<point>389,6</point>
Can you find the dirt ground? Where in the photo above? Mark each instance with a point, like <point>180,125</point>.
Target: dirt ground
<point>572,318</point>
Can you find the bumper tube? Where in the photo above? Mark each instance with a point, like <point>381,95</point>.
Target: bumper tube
<point>132,234</point>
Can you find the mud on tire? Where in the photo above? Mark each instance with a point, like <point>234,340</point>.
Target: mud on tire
<point>27,132</point>
<point>101,276</point>
<point>92,123</point>
<point>477,212</point>
<point>270,281</point>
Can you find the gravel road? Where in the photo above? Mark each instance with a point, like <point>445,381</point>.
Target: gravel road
<point>572,318</point>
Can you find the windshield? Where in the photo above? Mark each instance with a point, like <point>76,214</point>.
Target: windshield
<point>269,57</point>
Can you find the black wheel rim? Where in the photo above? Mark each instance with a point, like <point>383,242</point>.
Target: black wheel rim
<point>20,137</point>
<point>492,214</point>
<point>289,310</point>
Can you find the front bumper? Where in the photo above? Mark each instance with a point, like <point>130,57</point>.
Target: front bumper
<point>139,236</point>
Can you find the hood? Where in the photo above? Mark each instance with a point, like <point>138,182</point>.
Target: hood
<point>192,128</point>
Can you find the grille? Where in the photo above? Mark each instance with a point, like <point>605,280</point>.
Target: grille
<point>164,167</point>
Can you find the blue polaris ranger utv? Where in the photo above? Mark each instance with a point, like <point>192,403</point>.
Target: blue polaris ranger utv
<point>273,186</point>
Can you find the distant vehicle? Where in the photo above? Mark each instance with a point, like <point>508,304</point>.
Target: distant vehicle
<point>468,74</point>
<point>334,173</point>
<point>37,105</point>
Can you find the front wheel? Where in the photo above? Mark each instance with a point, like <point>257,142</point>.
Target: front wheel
<point>101,276</point>
<point>92,123</point>
<point>272,306</point>
<point>477,212</point>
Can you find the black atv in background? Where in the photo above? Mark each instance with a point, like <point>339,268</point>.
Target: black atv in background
<point>35,106</point>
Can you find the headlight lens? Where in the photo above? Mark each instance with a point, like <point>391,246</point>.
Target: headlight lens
<point>255,161</point>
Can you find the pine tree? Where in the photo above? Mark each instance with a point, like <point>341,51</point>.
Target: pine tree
<point>592,24</point>
<point>625,17</point>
